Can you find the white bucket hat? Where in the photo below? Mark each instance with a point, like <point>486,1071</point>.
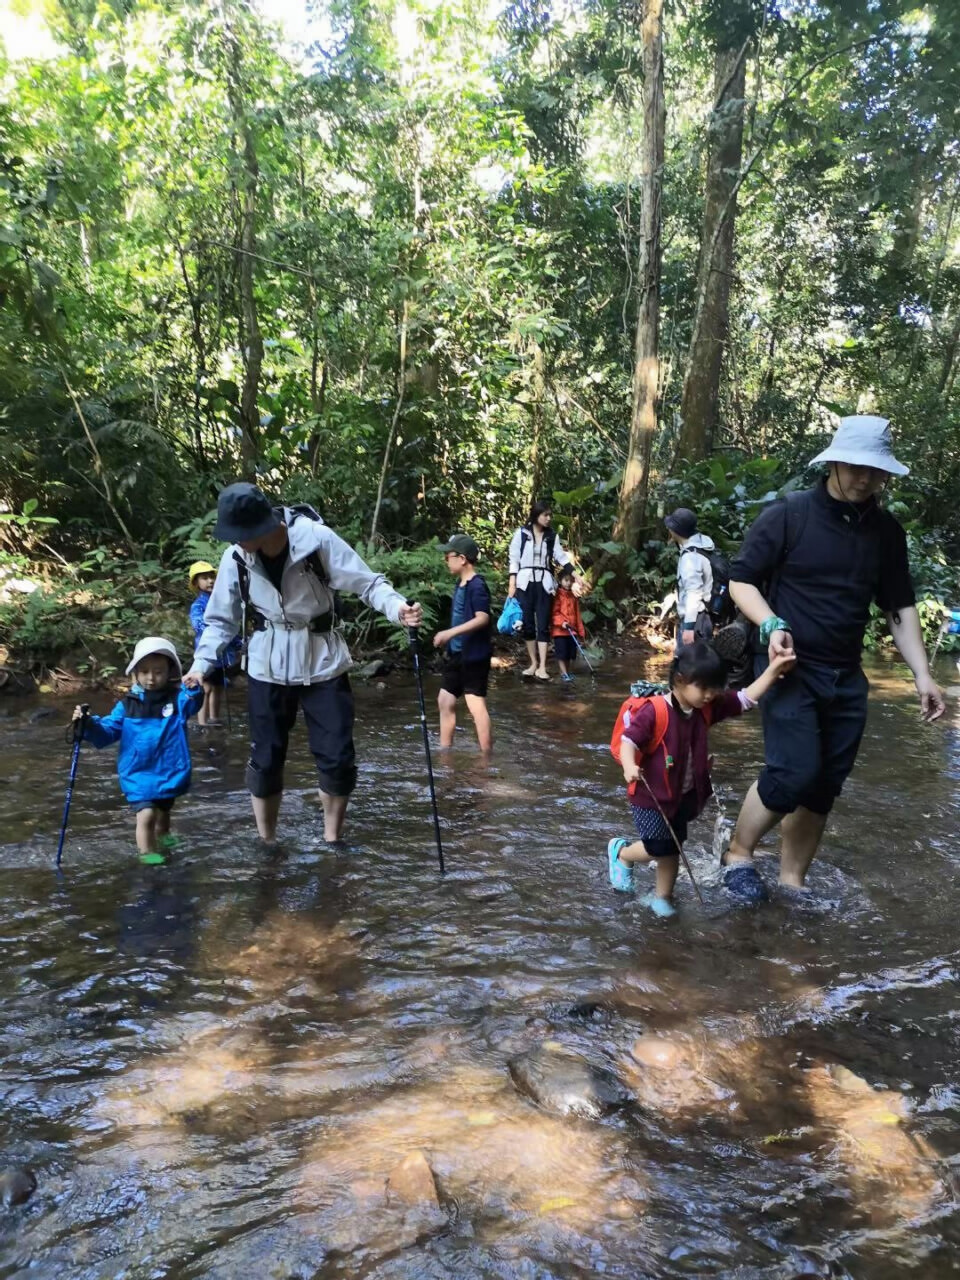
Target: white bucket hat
<point>863,441</point>
<point>154,644</point>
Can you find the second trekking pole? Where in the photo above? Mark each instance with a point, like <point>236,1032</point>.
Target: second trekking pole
<point>583,653</point>
<point>74,761</point>
<point>412,633</point>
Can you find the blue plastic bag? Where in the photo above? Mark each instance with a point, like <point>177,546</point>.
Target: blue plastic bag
<point>511,620</point>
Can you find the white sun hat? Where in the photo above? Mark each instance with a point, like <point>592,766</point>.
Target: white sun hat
<point>155,644</point>
<point>863,441</point>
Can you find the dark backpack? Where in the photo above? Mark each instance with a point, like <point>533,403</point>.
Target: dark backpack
<point>549,537</point>
<point>795,519</point>
<point>720,607</point>
<point>313,562</point>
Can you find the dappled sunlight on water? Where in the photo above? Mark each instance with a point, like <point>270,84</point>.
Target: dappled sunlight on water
<point>216,1067</point>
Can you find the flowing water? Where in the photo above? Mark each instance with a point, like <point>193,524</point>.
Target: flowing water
<point>214,1065</point>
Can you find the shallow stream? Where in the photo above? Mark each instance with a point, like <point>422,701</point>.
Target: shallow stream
<point>213,1066</point>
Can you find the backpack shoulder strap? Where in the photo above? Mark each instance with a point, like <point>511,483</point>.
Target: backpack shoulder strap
<point>314,561</point>
<point>661,713</point>
<point>243,578</point>
<point>795,519</point>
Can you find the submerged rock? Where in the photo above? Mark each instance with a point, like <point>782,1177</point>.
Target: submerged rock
<point>411,1182</point>
<point>371,669</point>
<point>17,1185</point>
<point>657,1052</point>
<point>562,1081</point>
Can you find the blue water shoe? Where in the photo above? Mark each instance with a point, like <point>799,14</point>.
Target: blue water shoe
<point>621,874</point>
<point>661,907</point>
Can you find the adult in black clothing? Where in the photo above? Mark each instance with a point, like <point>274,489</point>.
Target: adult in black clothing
<point>806,575</point>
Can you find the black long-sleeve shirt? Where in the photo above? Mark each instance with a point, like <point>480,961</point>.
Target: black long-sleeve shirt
<point>845,557</point>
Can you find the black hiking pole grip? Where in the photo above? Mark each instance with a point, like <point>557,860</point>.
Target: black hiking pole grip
<point>412,635</point>
<point>74,761</point>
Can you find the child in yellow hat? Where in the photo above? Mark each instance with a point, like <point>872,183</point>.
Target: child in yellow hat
<point>202,578</point>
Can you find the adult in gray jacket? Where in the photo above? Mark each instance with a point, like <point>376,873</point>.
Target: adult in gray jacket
<point>694,576</point>
<point>282,571</point>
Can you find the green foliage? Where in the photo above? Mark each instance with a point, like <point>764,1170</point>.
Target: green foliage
<point>443,274</point>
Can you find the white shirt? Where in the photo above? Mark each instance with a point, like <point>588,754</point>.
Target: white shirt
<point>532,566</point>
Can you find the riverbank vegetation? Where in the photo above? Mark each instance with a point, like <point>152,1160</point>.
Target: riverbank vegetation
<point>451,257</point>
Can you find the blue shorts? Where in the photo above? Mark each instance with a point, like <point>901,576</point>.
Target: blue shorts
<point>654,832</point>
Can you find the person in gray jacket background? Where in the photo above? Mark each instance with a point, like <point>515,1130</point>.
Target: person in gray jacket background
<point>694,576</point>
<point>282,571</point>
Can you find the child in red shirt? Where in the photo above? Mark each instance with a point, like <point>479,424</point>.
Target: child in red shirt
<point>670,786</point>
<point>565,623</point>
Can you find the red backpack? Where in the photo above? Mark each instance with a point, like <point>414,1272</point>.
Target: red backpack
<point>628,713</point>
<point>640,694</point>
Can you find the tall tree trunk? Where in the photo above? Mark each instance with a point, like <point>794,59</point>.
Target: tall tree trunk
<point>251,339</point>
<point>701,382</point>
<point>950,354</point>
<point>646,360</point>
<point>538,421</point>
<point>394,422</point>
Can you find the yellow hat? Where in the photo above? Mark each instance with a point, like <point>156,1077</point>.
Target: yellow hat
<point>199,566</point>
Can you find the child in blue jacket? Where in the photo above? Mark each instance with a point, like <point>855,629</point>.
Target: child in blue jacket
<point>202,579</point>
<point>150,723</point>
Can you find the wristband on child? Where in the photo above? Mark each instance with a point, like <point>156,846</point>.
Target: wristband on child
<point>771,624</point>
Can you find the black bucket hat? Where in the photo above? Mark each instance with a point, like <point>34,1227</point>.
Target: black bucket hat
<point>682,522</point>
<point>244,514</point>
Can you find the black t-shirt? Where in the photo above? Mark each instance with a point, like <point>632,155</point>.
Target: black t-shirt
<point>845,557</point>
<point>273,566</point>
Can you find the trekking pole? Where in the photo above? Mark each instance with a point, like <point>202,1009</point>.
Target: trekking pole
<point>583,652</point>
<point>683,856</point>
<point>226,693</point>
<point>412,635</point>
<point>74,761</point>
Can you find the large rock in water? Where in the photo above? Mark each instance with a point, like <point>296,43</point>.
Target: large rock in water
<point>411,1182</point>
<point>562,1081</point>
<point>16,1185</point>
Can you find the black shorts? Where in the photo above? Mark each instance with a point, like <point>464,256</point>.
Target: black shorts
<point>813,720</point>
<point>461,677</point>
<point>564,648</point>
<point>163,805</point>
<point>328,710</point>
<point>216,676</point>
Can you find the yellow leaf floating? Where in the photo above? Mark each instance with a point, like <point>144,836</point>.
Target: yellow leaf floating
<point>478,1118</point>
<point>558,1202</point>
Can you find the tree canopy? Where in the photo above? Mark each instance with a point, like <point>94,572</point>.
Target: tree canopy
<point>410,273</point>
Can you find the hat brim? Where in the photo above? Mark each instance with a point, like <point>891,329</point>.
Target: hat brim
<point>862,458</point>
<point>224,531</point>
<point>160,653</point>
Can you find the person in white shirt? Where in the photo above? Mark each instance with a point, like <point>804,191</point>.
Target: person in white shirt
<point>283,569</point>
<point>534,552</point>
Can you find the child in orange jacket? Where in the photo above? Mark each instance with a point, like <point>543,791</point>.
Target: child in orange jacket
<point>565,623</point>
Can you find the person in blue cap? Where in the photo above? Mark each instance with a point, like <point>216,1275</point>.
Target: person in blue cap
<point>282,572</point>
<point>808,571</point>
